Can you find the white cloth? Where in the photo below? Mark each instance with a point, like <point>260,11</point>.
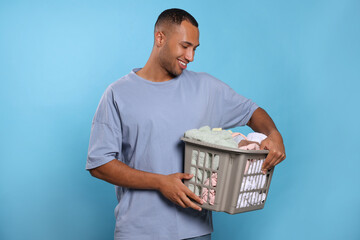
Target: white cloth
<point>252,182</point>
<point>254,136</point>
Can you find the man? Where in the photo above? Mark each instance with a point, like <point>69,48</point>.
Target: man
<point>135,138</point>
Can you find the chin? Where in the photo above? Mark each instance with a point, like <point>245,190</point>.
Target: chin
<point>175,73</point>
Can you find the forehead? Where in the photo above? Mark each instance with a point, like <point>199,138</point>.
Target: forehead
<point>186,32</point>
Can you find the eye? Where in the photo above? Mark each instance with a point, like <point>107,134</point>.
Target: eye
<point>185,47</point>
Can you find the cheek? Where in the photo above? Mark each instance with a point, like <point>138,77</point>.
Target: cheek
<point>164,56</point>
<point>169,54</point>
<point>180,52</point>
<point>176,51</point>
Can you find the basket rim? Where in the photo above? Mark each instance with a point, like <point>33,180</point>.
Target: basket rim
<point>218,147</point>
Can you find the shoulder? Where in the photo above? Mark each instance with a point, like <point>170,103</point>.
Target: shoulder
<point>199,75</point>
<point>122,86</point>
<point>118,89</point>
<point>204,78</point>
<point>122,82</point>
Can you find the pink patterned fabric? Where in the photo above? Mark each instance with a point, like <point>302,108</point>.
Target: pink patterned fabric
<point>251,146</point>
<point>205,191</point>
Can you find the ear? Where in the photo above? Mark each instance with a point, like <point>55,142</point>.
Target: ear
<point>159,38</point>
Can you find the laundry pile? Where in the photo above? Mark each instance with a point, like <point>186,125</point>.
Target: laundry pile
<point>215,136</point>
<point>206,165</point>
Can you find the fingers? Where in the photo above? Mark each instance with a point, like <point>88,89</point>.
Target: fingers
<point>276,148</point>
<point>282,158</point>
<point>187,176</point>
<point>189,203</point>
<point>181,203</point>
<point>272,159</point>
<point>183,200</point>
<point>263,145</point>
<point>266,164</point>
<point>187,190</point>
<point>178,193</point>
<point>193,196</point>
<point>186,199</point>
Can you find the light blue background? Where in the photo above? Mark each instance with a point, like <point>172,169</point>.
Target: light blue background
<point>299,60</point>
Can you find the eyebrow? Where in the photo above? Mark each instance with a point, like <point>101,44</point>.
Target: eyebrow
<point>189,43</point>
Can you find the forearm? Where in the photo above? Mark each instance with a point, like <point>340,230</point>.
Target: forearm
<point>261,122</point>
<point>120,174</point>
<point>170,186</point>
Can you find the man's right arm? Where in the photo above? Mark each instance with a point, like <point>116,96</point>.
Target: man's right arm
<point>171,186</point>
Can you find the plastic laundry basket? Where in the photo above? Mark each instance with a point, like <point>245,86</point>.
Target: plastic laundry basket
<point>227,179</point>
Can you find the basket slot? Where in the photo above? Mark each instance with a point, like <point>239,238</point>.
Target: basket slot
<point>215,162</point>
<point>207,175</point>
<point>253,166</point>
<point>251,198</point>
<point>208,158</point>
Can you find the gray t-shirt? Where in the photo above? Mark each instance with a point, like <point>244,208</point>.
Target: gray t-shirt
<point>140,123</point>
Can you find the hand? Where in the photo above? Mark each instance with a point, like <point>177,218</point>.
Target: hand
<point>275,145</point>
<point>173,189</point>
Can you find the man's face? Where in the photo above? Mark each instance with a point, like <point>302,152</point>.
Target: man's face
<point>179,48</point>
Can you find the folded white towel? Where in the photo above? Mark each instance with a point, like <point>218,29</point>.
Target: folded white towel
<point>256,137</point>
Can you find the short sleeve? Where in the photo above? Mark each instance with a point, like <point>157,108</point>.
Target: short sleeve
<point>105,138</point>
<point>233,109</point>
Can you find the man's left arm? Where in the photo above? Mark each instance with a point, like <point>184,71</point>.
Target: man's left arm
<point>261,122</point>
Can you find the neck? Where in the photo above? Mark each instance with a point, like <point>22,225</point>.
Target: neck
<point>152,71</point>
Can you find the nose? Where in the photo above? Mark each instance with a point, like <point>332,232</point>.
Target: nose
<point>189,55</point>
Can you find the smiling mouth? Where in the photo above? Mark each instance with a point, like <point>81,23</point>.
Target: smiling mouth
<point>182,64</point>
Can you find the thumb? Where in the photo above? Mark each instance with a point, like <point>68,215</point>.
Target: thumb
<point>186,176</point>
<point>263,146</point>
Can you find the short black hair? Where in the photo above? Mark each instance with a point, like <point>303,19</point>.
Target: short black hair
<point>175,16</point>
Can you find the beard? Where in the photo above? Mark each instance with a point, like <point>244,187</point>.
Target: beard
<point>167,62</point>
